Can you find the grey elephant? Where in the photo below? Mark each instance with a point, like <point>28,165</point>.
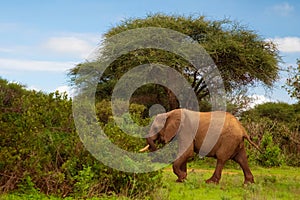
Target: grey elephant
<point>192,130</point>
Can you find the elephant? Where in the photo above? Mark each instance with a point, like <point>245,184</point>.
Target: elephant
<point>229,143</point>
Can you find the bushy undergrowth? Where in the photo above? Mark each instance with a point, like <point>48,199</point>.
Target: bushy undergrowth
<point>40,150</point>
<point>275,127</point>
<point>272,155</point>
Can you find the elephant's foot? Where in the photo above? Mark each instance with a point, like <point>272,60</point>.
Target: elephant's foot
<point>181,177</point>
<point>249,181</point>
<point>213,180</point>
<point>179,180</point>
<point>248,178</point>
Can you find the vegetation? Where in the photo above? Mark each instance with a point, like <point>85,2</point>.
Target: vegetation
<point>242,57</point>
<point>271,183</point>
<point>42,157</point>
<point>275,127</point>
<point>41,152</point>
<point>293,82</point>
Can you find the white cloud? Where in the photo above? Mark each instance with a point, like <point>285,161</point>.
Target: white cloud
<point>67,89</point>
<point>258,99</point>
<point>32,65</point>
<point>287,44</point>
<point>5,50</point>
<point>32,87</point>
<point>283,9</point>
<point>77,45</point>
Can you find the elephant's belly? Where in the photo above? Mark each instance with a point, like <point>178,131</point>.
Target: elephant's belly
<point>212,153</point>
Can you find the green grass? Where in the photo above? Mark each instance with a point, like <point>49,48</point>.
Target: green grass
<point>271,183</point>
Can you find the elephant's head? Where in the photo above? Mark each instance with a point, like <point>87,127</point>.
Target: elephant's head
<point>163,129</point>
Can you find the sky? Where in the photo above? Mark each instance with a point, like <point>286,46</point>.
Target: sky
<point>41,40</point>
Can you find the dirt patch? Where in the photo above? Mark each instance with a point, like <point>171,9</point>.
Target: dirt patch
<point>202,170</point>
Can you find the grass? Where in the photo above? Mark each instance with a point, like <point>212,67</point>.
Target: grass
<point>271,183</point>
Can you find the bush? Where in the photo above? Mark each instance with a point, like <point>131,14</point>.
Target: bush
<point>277,112</point>
<point>41,151</point>
<point>272,155</point>
<point>137,112</point>
<point>275,127</point>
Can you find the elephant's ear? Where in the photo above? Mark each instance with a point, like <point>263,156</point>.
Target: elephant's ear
<point>173,124</point>
<point>160,121</point>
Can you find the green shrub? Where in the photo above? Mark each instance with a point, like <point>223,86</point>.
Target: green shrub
<point>271,155</point>
<point>41,151</point>
<point>280,122</point>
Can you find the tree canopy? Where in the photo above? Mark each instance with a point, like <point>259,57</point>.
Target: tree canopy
<point>242,56</point>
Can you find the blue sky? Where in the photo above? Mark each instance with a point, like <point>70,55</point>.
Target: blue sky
<point>41,40</point>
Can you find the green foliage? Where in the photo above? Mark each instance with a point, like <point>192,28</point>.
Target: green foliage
<point>270,183</point>
<point>84,181</point>
<point>281,112</point>
<point>40,150</point>
<point>26,186</point>
<point>242,57</point>
<point>293,82</point>
<point>275,126</point>
<point>271,155</point>
<point>137,112</point>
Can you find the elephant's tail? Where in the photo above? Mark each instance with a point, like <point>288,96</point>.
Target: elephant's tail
<point>247,137</point>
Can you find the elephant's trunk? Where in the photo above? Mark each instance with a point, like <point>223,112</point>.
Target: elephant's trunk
<point>152,145</point>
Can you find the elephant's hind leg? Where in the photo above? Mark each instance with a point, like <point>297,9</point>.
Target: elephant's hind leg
<point>241,159</point>
<point>218,171</point>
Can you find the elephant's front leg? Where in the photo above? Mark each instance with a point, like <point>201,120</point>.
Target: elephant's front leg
<point>179,165</point>
<point>179,168</point>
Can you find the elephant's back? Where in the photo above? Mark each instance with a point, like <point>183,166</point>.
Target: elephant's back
<point>214,127</point>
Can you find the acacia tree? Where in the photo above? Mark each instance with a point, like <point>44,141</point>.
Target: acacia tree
<point>241,55</point>
<point>293,82</point>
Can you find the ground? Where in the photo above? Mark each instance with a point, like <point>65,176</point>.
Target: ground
<point>271,183</point>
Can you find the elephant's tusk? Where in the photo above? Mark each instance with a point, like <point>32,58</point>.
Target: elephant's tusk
<point>145,148</point>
